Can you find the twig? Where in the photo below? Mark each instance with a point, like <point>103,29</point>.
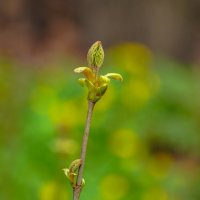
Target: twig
<point>77,189</point>
<point>97,86</point>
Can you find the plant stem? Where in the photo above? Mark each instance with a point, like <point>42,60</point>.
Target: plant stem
<point>77,190</point>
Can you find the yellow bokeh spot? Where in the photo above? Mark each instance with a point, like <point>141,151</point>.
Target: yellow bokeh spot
<point>45,101</point>
<point>132,57</point>
<point>53,191</point>
<point>136,93</point>
<point>124,143</point>
<point>41,98</point>
<point>156,193</point>
<point>66,146</point>
<point>114,187</point>
<point>64,113</point>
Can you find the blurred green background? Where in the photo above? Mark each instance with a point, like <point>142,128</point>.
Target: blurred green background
<point>144,141</point>
<point>145,134</point>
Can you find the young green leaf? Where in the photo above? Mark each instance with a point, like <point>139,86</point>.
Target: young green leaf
<point>114,76</point>
<point>75,165</point>
<point>81,81</point>
<point>86,71</point>
<point>95,55</point>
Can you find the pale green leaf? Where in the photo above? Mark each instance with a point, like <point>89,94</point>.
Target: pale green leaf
<point>114,76</point>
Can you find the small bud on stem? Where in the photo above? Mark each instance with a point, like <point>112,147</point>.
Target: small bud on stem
<point>95,56</point>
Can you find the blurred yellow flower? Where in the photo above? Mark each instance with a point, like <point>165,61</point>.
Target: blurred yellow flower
<point>66,146</point>
<point>132,57</point>
<point>53,191</point>
<point>41,98</point>
<point>114,187</point>
<point>136,93</point>
<point>124,143</point>
<point>66,113</point>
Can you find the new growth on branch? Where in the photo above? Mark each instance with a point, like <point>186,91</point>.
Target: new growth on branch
<point>97,86</point>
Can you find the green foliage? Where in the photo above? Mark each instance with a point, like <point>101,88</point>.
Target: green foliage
<point>146,147</point>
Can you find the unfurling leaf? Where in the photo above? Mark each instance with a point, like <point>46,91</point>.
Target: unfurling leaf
<point>95,55</point>
<point>89,85</point>
<point>83,182</point>
<point>114,76</point>
<point>71,173</point>
<point>75,165</point>
<point>97,84</point>
<point>81,81</point>
<point>73,178</point>
<point>104,79</point>
<point>103,89</point>
<point>66,171</point>
<point>86,71</point>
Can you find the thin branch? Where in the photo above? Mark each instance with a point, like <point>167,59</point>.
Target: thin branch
<point>77,190</point>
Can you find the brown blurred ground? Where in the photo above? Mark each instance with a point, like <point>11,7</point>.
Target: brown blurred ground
<point>39,29</point>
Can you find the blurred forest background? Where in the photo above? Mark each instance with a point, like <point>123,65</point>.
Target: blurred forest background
<point>30,29</point>
<point>145,134</point>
